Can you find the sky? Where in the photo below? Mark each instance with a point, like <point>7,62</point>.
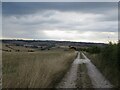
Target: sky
<point>60,0</point>
<point>64,21</point>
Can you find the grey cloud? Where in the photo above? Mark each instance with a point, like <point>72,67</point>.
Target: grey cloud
<point>61,1</point>
<point>30,20</point>
<point>17,8</point>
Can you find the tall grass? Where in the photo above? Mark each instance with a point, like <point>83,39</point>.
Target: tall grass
<point>35,69</point>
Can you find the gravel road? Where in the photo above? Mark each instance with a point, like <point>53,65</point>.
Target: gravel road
<point>97,79</point>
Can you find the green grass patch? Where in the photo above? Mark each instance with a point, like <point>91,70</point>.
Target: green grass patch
<point>83,80</point>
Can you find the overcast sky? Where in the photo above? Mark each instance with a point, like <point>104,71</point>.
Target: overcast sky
<point>60,0</point>
<point>78,21</point>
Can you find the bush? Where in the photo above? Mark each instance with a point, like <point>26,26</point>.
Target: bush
<point>93,49</point>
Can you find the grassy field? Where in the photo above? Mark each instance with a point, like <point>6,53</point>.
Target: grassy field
<point>43,69</point>
<point>0,68</point>
<point>14,48</point>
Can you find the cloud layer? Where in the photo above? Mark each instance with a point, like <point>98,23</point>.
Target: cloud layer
<point>90,21</point>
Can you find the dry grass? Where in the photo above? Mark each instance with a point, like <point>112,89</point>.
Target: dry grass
<point>35,69</point>
<point>14,48</point>
<point>108,69</point>
<point>22,48</point>
<point>4,47</point>
<point>81,56</point>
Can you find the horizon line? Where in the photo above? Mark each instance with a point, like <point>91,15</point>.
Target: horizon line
<point>53,40</point>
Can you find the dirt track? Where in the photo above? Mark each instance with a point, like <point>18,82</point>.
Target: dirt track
<point>97,79</point>
<point>69,81</point>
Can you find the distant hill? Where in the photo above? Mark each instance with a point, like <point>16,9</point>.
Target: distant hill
<point>50,42</point>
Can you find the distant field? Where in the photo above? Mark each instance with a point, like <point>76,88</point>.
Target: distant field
<point>40,69</point>
<point>13,48</point>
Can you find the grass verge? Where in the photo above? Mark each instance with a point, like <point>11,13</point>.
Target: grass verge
<point>83,80</point>
<point>81,56</point>
<point>108,69</point>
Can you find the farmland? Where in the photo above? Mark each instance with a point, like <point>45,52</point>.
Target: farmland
<point>54,66</point>
<point>38,69</point>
